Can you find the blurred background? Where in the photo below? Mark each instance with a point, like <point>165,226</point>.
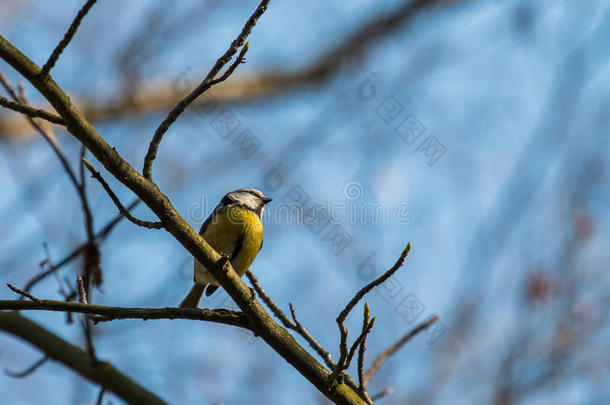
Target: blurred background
<point>478,130</point>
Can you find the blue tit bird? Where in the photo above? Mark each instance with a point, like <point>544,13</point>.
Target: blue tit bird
<point>234,229</point>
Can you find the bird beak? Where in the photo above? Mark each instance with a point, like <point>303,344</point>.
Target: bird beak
<point>267,200</point>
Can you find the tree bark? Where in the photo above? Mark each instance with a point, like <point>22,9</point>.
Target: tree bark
<point>102,373</point>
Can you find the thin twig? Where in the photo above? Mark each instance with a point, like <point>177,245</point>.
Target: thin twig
<point>350,305</point>
<point>87,330</point>
<point>92,272</point>
<point>99,236</point>
<point>100,396</point>
<point>46,133</point>
<point>109,313</point>
<point>83,193</point>
<point>269,301</point>
<point>362,348</point>
<point>66,39</point>
<point>366,289</point>
<point>363,390</point>
<point>24,293</point>
<point>382,393</point>
<point>300,329</point>
<point>294,324</point>
<point>357,342</point>
<point>27,371</point>
<point>344,364</point>
<point>297,327</point>
<point>68,295</point>
<point>9,88</point>
<point>146,224</point>
<point>22,95</point>
<point>396,347</point>
<point>361,351</point>
<point>31,112</point>
<point>91,262</point>
<point>264,85</point>
<point>49,136</point>
<point>203,86</point>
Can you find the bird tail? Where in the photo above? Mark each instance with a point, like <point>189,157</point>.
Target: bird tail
<point>193,297</point>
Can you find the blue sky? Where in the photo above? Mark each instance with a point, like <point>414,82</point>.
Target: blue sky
<point>514,93</point>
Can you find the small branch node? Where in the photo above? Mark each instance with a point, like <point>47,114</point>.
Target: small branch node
<point>82,293</point>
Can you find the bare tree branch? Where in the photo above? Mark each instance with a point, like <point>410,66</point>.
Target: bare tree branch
<point>241,58</point>
<point>262,323</point>
<point>24,293</point>
<point>259,86</point>
<point>382,393</point>
<point>27,371</point>
<point>145,224</point>
<point>344,364</point>
<point>294,324</point>
<point>106,313</point>
<point>99,372</point>
<point>100,396</point>
<point>31,112</point>
<point>380,280</point>
<point>203,86</point>
<point>99,236</point>
<point>396,347</point>
<point>344,353</point>
<point>66,39</point>
<point>361,351</point>
<point>357,343</point>
<point>311,340</point>
<point>45,132</point>
<point>91,261</point>
<point>269,301</point>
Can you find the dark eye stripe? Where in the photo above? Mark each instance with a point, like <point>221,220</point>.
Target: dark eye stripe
<point>253,193</point>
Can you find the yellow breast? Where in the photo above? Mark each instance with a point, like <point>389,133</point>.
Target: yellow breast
<point>236,233</point>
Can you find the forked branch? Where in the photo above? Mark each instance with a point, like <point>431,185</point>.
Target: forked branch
<point>207,82</point>
<point>346,354</point>
<point>293,324</point>
<point>96,175</point>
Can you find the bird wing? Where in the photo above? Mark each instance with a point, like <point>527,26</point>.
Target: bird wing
<point>238,246</point>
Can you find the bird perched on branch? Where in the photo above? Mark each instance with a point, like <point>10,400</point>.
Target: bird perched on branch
<point>234,229</point>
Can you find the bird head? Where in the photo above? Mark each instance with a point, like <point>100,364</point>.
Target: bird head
<point>248,198</point>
